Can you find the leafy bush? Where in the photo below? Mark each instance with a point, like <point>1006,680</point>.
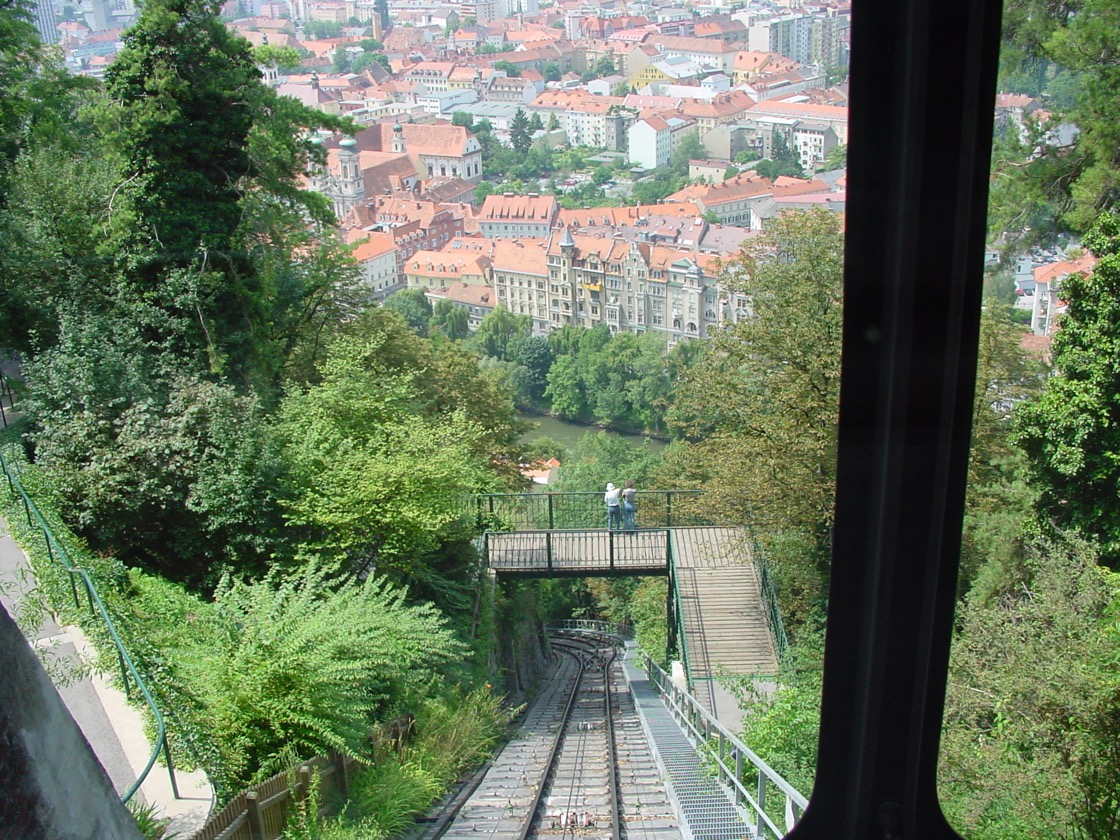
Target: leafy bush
<point>307,666</point>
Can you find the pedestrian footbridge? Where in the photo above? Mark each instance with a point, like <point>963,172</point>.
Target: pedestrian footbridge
<point>721,610</point>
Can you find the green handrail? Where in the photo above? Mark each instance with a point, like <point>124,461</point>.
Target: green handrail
<point>770,595</point>
<point>682,639</point>
<point>57,551</point>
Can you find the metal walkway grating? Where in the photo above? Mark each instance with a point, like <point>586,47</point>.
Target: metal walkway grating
<point>704,805</point>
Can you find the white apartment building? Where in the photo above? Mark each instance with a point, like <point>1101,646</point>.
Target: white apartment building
<point>650,142</point>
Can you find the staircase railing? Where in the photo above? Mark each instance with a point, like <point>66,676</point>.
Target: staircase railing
<point>770,598</point>
<point>58,553</point>
<point>732,759</point>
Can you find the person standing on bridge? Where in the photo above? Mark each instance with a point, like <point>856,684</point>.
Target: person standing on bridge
<point>629,506</point>
<point>613,499</point>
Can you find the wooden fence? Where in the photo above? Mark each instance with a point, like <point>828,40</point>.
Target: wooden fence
<point>260,813</point>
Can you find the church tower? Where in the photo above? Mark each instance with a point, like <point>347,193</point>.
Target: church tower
<point>351,186</point>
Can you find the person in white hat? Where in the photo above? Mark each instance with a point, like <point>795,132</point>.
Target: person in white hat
<point>613,498</point>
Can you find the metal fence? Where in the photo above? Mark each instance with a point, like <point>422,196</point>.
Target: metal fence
<point>733,761</point>
<point>6,396</point>
<point>577,552</point>
<point>80,577</point>
<point>590,625</point>
<point>559,511</point>
<point>770,596</point>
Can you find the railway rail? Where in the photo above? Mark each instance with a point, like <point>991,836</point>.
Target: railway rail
<point>578,767</point>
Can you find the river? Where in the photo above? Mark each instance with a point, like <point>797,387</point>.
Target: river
<point>568,433</point>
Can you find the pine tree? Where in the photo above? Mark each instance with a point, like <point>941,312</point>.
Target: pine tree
<point>519,132</point>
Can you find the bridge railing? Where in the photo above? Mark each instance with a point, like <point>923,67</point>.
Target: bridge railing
<point>734,762</point>
<point>578,551</point>
<point>78,576</point>
<point>591,625</point>
<point>561,511</point>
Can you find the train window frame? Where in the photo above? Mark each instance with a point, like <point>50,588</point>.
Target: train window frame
<point>923,82</point>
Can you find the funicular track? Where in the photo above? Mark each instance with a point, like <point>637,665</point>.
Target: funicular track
<point>579,766</point>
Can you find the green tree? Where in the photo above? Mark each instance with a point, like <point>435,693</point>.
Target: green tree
<point>535,122</point>
<point>498,329</point>
<point>384,450</point>
<point>209,161</point>
<point>1069,432</point>
<point>782,161</point>
<point>481,190</point>
<point>551,71</point>
<point>511,69</point>
<point>766,449</point>
<point>519,132</point>
<point>462,118</point>
<point>1062,52</point>
<point>322,29</point>
<point>413,305</point>
<point>1031,725</point>
<point>837,158</point>
<point>565,389</point>
<point>341,60</point>
<point>535,354</point>
<point>51,230</point>
<point>19,55</point>
<point>450,320</point>
<point>553,122</point>
<point>599,457</point>
<point>285,59</point>
<point>39,99</point>
<point>161,469</point>
<point>486,49</point>
<point>603,67</point>
<point>689,148</point>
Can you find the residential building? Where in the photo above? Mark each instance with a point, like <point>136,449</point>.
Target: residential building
<point>508,216</point>
<point>650,142</point>
<point>789,35</point>
<point>834,116</point>
<point>582,116</point>
<point>720,109</point>
<point>377,257</point>
<point>710,53</point>
<point>1048,303</point>
<point>516,89</point>
<point>712,171</point>
<point>43,12</point>
<point>434,75</point>
<point>440,269</point>
<point>632,287</point>
<point>519,273</point>
<point>812,142</point>
<point>731,200</point>
<point>477,300</point>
